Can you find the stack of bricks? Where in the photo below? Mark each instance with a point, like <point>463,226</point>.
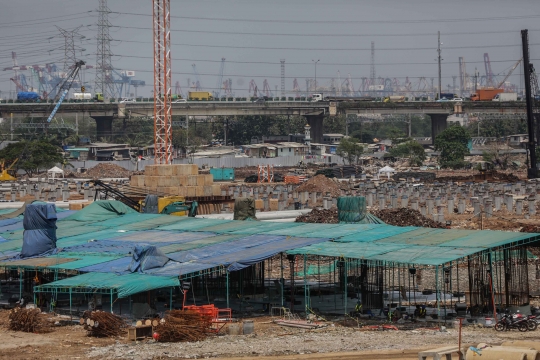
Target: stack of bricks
<point>176,179</point>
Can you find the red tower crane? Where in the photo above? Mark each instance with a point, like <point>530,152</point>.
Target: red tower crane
<point>253,88</point>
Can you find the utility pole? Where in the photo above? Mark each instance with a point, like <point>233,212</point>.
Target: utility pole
<point>532,171</point>
<point>439,59</point>
<point>282,78</point>
<point>315,62</point>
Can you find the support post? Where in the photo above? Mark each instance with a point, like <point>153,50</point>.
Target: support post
<point>282,280</point>
<point>437,292</point>
<point>305,287</point>
<point>170,298</point>
<point>490,259</point>
<point>70,303</point>
<point>228,306</point>
<point>346,271</point>
<point>111,292</point>
<point>20,284</point>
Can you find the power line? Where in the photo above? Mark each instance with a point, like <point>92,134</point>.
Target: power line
<point>26,24</point>
<point>415,21</point>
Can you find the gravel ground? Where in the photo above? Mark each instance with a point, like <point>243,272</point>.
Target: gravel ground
<point>276,340</point>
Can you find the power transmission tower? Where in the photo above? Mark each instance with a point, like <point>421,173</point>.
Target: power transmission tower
<point>282,77</point>
<point>104,83</point>
<point>372,68</point>
<point>162,82</point>
<point>69,46</point>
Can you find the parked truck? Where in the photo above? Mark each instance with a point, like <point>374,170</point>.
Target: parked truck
<point>200,95</point>
<point>98,97</point>
<point>506,97</point>
<point>485,94</point>
<point>320,97</point>
<point>82,96</point>
<point>28,96</point>
<point>394,98</point>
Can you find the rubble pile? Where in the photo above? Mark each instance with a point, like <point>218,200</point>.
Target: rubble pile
<point>530,228</point>
<point>406,217</point>
<point>107,170</point>
<point>320,216</point>
<point>341,172</point>
<point>423,176</point>
<point>320,184</point>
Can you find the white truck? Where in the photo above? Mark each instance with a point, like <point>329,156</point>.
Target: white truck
<point>505,97</point>
<point>82,96</point>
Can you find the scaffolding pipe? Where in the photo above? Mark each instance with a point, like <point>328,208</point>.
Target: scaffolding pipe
<point>227,285</point>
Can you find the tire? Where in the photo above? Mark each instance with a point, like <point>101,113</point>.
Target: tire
<point>522,326</point>
<point>532,325</point>
<point>500,326</point>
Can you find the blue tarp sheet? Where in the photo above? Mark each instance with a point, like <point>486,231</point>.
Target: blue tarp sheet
<point>39,230</point>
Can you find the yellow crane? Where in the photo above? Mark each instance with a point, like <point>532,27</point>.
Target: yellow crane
<point>6,176</point>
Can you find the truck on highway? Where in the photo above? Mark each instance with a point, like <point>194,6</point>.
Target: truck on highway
<point>28,96</point>
<point>394,98</point>
<point>320,97</point>
<point>485,94</point>
<point>200,95</point>
<point>506,97</point>
<point>82,96</point>
<point>98,97</point>
<point>447,96</point>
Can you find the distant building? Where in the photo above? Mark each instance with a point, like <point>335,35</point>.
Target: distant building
<point>107,152</point>
<point>291,149</point>
<point>332,138</point>
<point>260,150</point>
<point>518,140</point>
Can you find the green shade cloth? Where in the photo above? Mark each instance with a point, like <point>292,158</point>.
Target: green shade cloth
<point>101,210</point>
<point>123,285</point>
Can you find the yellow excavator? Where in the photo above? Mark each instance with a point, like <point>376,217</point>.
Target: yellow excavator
<point>7,173</point>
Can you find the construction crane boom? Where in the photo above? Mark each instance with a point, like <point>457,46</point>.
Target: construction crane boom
<point>64,88</point>
<point>198,84</point>
<point>219,85</point>
<point>509,73</point>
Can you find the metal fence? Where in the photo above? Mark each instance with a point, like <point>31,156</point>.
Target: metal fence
<point>233,162</point>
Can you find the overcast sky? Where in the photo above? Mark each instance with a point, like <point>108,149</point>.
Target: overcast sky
<point>247,34</point>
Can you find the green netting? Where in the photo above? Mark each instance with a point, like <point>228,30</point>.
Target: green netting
<point>351,209</point>
<point>82,260</point>
<point>122,222</point>
<point>101,210</point>
<point>89,235</point>
<point>193,224</point>
<point>11,245</point>
<point>199,243</point>
<point>123,285</point>
<point>318,269</point>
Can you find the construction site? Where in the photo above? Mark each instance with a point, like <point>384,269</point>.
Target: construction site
<point>306,240</point>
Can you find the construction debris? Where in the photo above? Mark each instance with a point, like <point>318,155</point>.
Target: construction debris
<point>103,324</point>
<point>406,217</point>
<point>320,216</point>
<point>28,320</point>
<point>178,325</point>
<point>342,172</point>
<point>320,184</point>
<point>530,228</point>
<point>107,170</point>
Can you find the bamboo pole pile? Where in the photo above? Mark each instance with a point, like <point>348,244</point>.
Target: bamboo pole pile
<point>178,325</point>
<point>29,320</point>
<point>103,324</point>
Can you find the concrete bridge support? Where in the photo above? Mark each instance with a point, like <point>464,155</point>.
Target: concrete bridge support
<point>316,123</point>
<point>438,125</point>
<point>103,126</point>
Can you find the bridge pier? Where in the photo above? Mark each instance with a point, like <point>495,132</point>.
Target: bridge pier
<point>103,126</point>
<point>316,123</point>
<point>438,125</point>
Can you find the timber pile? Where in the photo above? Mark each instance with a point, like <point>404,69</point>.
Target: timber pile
<point>320,184</point>
<point>107,170</point>
<point>319,216</point>
<point>406,217</point>
<point>178,325</point>
<point>28,320</point>
<point>103,324</point>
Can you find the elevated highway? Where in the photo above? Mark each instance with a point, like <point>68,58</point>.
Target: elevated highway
<point>314,112</point>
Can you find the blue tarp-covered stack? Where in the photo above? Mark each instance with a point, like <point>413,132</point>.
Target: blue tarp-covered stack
<point>39,235</point>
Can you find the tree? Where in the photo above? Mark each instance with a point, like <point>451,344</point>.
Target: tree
<point>411,150</point>
<point>350,149</point>
<point>33,155</point>
<point>452,144</point>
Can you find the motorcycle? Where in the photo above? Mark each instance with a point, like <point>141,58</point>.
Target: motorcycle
<point>515,321</point>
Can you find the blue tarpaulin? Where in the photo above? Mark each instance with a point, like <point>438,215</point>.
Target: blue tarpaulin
<point>39,234</point>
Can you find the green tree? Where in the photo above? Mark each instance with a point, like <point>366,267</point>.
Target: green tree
<point>350,149</point>
<point>452,145</point>
<point>411,150</point>
<point>33,155</point>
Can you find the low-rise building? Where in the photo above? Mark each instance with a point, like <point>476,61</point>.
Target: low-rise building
<point>518,140</point>
<point>332,138</point>
<point>260,150</point>
<point>291,149</point>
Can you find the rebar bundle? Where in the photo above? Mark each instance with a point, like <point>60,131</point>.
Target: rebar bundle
<point>28,320</point>
<point>103,324</point>
<point>178,325</point>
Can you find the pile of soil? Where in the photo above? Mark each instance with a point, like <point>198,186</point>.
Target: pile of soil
<point>321,184</point>
<point>320,216</point>
<point>406,217</point>
<point>107,170</point>
<point>530,228</point>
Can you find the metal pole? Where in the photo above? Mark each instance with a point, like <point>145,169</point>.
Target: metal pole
<point>346,270</point>
<point>305,287</point>
<point>281,280</point>
<point>532,172</point>
<point>20,284</point>
<point>111,292</point>
<point>70,302</point>
<point>437,296</point>
<point>76,125</point>
<point>439,59</point>
<point>227,289</point>
<point>170,298</point>
<point>11,126</point>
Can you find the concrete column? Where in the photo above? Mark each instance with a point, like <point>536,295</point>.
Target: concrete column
<point>510,203</point>
<point>423,210</point>
<point>325,203</point>
<point>313,198</point>
<point>78,186</point>
<point>394,202</point>
<point>461,206</point>
<point>450,206</point>
<point>429,203</point>
<point>369,199</point>
<point>414,205</point>
<point>404,201</point>
<point>476,206</point>
<point>65,195</point>
<point>382,202</point>
<point>498,203</point>
<point>519,207</point>
<point>488,207</point>
<point>438,201</point>
<point>532,206</point>
<point>266,203</point>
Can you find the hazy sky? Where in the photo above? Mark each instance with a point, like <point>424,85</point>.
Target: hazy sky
<point>247,34</point>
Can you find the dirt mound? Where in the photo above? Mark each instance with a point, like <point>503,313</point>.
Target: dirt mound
<point>107,170</point>
<point>530,228</point>
<point>406,217</point>
<point>322,184</point>
<point>320,216</point>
